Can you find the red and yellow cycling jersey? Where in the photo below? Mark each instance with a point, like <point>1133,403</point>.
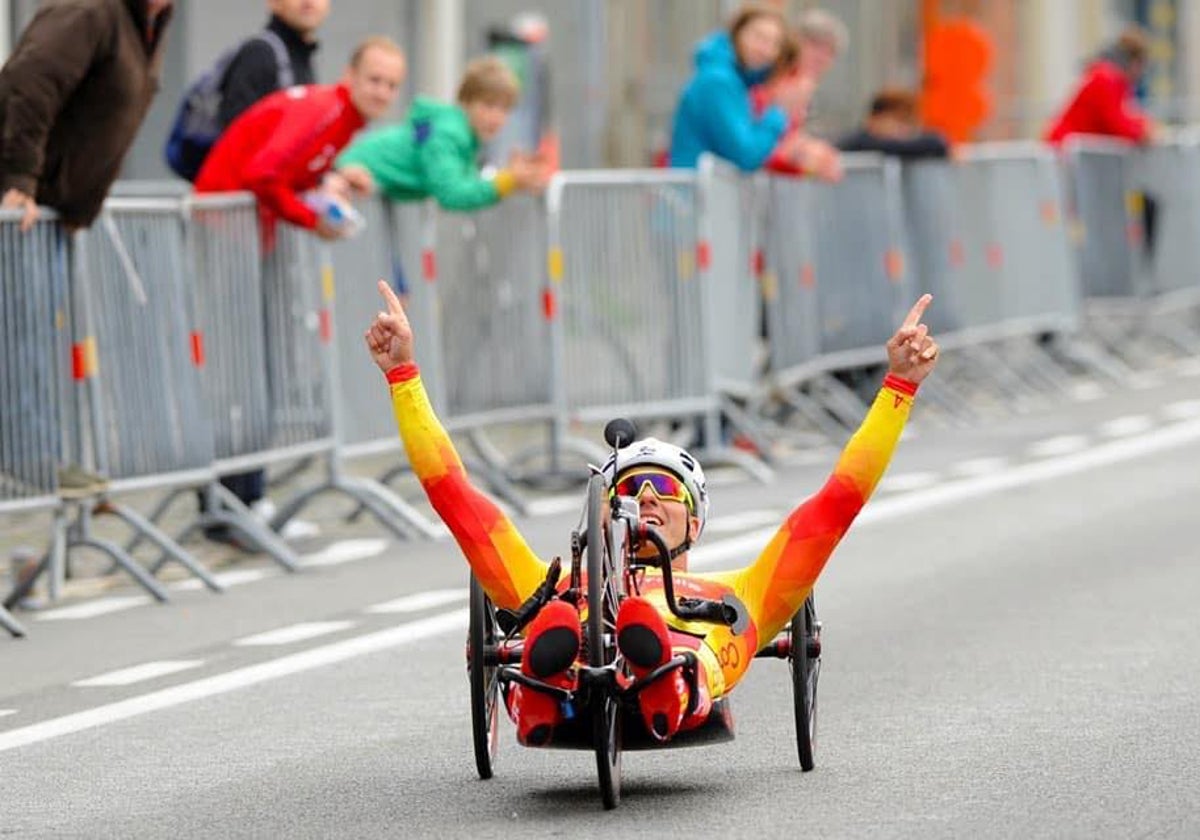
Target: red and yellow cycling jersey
<point>772,587</point>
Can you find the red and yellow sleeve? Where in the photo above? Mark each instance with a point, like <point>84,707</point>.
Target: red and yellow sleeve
<point>499,556</point>
<point>776,584</point>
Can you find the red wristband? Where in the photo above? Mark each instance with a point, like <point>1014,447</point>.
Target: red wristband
<point>402,373</point>
<point>900,384</point>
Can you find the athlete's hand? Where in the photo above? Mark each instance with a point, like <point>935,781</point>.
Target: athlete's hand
<point>912,353</point>
<point>390,337</point>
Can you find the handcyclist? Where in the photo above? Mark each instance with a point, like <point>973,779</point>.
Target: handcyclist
<point>669,485</point>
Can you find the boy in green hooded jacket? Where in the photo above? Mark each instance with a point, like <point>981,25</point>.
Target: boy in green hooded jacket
<point>434,151</point>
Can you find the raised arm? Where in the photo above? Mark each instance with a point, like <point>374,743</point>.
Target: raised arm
<point>498,554</point>
<point>776,584</point>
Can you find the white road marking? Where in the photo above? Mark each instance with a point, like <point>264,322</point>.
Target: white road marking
<point>979,466</point>
<point>1087,392</point>
<point>7,712</point>
<point>1182,410</point>
<point>903,482</point>
<point>101,606</point>
<point>1131,424</point>
<point>344,551</point>
<point>554,505</point>
<point>1188,367</point>
<point>1061,445</point>
<point>1144,381</point>
<point>231,681</point>
<point>293,633</point>
<point>747,546</point>
<point>139,673</point>
<point>227,579</point>
<point>741,521</point>
<point>419,601</point>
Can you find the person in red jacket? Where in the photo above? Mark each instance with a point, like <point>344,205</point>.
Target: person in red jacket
<point>811,51</point>
<point>1104,103</point>
<point>284,145</point>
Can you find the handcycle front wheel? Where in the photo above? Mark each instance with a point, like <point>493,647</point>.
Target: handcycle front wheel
<point>603,591</point>
<point>805,661</point>
<point>482,635</point>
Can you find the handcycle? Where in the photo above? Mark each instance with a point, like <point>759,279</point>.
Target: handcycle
<point>601,712</point>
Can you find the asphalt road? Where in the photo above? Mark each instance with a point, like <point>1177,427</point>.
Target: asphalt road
<point>1010,650</point>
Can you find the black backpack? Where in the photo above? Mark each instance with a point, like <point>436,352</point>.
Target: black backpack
<point>196,127</point>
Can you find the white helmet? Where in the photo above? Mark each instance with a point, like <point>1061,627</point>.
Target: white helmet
<point>658,453</point>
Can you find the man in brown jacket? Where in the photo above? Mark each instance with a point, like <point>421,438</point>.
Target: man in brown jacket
<point>72,97</point>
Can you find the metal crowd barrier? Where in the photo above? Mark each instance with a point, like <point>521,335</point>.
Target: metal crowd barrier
<point>303,378</point>
<point>399,244</point>
<point>1137,212</point>
<point>34,268</point>
<point>196,348</point>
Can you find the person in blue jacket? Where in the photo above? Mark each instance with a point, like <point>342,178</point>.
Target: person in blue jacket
<point>715,113</point>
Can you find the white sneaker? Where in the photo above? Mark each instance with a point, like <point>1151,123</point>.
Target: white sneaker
<point>264,509</point>
<point>294,529</point>
<point>299,529</point>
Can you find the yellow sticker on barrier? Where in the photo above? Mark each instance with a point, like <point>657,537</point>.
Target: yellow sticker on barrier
<point>327,282</point>
<point>770,286</point>
<point>685,264</point>
<point>554,264</point>
<point>1135,203</point>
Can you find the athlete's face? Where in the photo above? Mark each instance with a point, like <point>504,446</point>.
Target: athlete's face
<point>375,82</point>
<point>672,518</point>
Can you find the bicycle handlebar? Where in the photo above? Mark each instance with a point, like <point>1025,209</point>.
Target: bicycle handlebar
<point>728,611</point>
<point>510,621</point>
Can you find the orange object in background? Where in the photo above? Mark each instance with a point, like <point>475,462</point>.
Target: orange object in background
<point>955,99</point>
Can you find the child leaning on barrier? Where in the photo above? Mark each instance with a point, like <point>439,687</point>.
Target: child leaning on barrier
<point>433,152</point>
<point>768,591</point>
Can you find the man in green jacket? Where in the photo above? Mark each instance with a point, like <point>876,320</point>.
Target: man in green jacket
<point>434,151</point>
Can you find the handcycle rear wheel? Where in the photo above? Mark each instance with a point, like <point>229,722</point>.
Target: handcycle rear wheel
<point>485,684</point>
<point>805,661</point>
<point>603,587</point>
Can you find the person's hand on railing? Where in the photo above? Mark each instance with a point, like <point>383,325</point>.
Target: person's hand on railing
<point>912,353</point>
<point>17,200</point>
<point>822,160</point>
<point>390,337</point>
<point>793,93</point>
<point>529,171</point>
<point>358,179</point>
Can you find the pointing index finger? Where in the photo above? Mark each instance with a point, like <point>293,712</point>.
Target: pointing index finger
<point>914,315</point>
<point>393,302</point>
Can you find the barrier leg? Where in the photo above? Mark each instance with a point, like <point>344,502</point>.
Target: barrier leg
<point>171,549</point>
<point>155,516</point>
<point>229,510</point>
<point>744,423</point>
<point>127,563</point>
<point>10,623</point>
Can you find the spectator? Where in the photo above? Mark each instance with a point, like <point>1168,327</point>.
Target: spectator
<point>433,152</point>
<point>281,148</point>
<point>891,127</point>
<point>72,96</point>
<point>715,112</point>
<point>1104,103</point>
<point>808,55</point>
<point>279,56</point>
<point>254,70</point>
<point>284,145</point>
